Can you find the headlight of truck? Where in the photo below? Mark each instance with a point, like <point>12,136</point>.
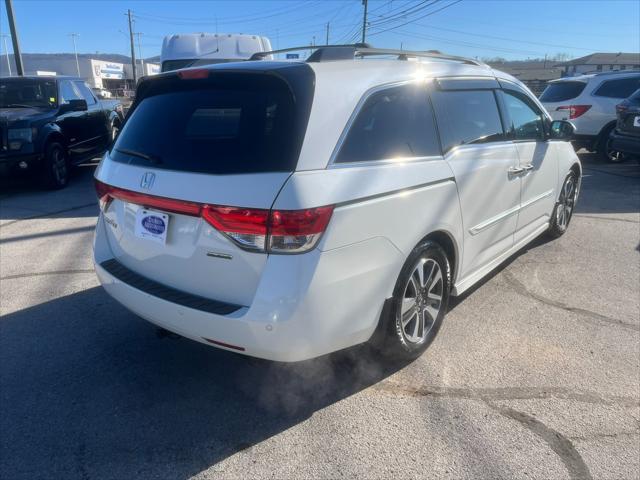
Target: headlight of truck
<point>18,136</point>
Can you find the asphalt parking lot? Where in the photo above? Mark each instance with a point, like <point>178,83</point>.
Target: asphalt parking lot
<point>535,373</point>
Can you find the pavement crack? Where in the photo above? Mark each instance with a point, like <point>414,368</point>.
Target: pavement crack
<point>598,436</point>
<point>561,445</point>
<point>55,272</point>
<point>607,219</point>
<point>48,214</point>
<point>507,393</point>
<point>520,288</point>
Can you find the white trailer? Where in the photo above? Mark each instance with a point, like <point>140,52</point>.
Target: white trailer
<point>191,49</point>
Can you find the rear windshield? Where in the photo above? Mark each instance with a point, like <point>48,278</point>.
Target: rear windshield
<point>561,91</point>
<point>231,127</point>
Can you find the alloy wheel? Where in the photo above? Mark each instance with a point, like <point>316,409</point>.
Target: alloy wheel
<point>422,300</point>
<point>566,203</point>
<point>59,166</point>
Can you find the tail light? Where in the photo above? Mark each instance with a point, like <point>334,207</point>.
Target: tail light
<point>193,74</point>
<point>575,110</point>
<point>260,230</point>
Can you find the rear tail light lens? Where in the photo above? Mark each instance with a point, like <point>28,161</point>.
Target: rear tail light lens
<point>574,110</point>
<point>260,230</point>
<point>193,74</point>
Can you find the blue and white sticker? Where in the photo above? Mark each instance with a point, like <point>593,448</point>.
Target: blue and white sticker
<point>152,225</point>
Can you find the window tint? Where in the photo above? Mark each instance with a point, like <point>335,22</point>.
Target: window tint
<point>22,91</point>
<point>469,116</point>
<point>620,88</point>
<point>561,91</point>
<point>393,123</point>
<point>211,130</point>
<point>68,92</point>
<point>85,92</point>
<point>526,120</point>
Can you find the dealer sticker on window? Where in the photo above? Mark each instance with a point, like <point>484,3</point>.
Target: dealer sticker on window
<point>636,121</point>
<point>152,225</point>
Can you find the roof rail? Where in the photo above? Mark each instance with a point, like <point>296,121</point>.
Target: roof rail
<point>326,53</point>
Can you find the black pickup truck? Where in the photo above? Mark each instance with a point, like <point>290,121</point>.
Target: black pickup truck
<point>48,124</point>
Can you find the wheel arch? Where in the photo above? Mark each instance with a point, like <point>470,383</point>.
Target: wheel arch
<point>446,240</point>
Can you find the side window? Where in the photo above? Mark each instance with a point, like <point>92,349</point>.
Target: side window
<point>527,122</point>
<point>68,92</point>
<point>393,123</point>
<point>85,92</point>
<point>467,116</point>
<point>621,88</point>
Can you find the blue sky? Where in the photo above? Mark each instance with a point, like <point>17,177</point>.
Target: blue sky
<point>513,29</point>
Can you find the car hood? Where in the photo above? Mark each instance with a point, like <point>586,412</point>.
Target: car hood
<point>10,115</point>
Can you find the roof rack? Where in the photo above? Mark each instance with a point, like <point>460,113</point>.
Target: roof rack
<point>327,53</point>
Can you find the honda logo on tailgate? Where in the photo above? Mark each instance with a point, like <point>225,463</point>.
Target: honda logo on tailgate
<point>147,180</point>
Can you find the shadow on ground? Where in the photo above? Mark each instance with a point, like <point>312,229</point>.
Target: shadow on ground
<point>92,390</point>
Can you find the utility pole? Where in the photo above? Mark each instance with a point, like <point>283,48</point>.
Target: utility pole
<point>137,34</point>
<point>17,56</point>
<point>6,51</point>
<point>75,50</point>
<point>133,50</point>
<point>364,20</point>
<point>327,42</point>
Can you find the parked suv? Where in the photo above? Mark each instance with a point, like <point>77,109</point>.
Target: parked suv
<point>589,102</point>
<point>625,139</point>
<point>286,210</point>
<point>48,124</point>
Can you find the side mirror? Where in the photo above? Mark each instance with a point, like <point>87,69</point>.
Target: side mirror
<point>76,105</point>
<point>561,130</point>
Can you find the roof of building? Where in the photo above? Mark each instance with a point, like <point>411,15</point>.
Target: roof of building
<point>606,59</point>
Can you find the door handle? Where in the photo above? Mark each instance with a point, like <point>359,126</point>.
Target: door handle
<point>528,167</point>
<point>515,171</point>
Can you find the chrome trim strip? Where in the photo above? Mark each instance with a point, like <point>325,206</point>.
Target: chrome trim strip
<point>393,192</point>
<point>386,161</point>
<point>507,213</point>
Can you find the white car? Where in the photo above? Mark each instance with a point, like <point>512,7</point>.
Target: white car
<point>589,103</point>
<point>285,210</point>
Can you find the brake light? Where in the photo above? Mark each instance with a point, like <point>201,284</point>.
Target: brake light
<point>261,230</point>
<point>575,110</point>
<point>295,231</point>
<point>193,74</point>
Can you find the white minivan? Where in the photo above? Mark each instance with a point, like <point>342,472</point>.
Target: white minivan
<point>285,210</point>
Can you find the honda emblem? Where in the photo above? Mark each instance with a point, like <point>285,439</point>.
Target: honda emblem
<point>147,180</point>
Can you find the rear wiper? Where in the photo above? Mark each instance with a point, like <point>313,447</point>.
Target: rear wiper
<point>133,153</point>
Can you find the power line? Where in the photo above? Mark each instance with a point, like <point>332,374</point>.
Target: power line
<point>419,18</point>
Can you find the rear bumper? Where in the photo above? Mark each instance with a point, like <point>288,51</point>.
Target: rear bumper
<point>584,141</point>
<point>305,305</point>
<point>628,144</point>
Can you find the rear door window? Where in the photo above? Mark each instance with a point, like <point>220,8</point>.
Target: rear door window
<point>561,91</point>
<point>224,129</point>
<point>467,116</point>
<point>393,123</point>
<point>620,88</point>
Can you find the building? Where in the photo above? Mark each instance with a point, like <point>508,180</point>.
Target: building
<point>109,72</point>
<point>535,74</point>
<point>600,62</point>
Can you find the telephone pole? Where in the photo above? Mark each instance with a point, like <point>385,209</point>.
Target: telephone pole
<point>364,20</point>
<point>17,56</point>
<point>327,42</point>
<point>137,34</point>
<point>75,50</point>
<point>6,52</point>
<point>133,50</point>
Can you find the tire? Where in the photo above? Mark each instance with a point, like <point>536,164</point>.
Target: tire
<point>605,150</point>
<point>115,130</point>
<point>55,167</point>
<point>418,306</point>
<point>563,211</point>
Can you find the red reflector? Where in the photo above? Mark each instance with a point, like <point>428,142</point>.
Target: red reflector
<point>193,74</point>
<point>226,345</point>
<point>237,220</point>
<point>574,110</point>
<point>299,222</point>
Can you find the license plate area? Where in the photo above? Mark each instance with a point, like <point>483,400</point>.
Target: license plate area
<point>152,225</point>
<point>636,121</point>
